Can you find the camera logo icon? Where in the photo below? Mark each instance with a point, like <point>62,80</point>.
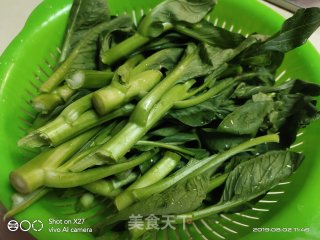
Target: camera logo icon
<point>13,225</point>
<point>25,225</point>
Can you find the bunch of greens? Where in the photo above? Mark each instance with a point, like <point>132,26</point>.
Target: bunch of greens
<point>157,117</point>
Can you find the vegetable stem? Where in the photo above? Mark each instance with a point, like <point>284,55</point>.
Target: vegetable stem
<point>24,201</point>
<point>91,79</point>
<point>209,211</point>
<point>144,106</point>
<point>200,167</point>
<point>109,188</point>
<point>219,87</point>
<point>123,49</point>
<point>59,130</point>
<point>59,179</point>
<point>58,76</point>
<point>45,103</point>
<point>31,175</point>
<point>166,146</point>
<point>217,181</point>
<point>109,98</point>
<point>161,169</point>
<point>130,134</point>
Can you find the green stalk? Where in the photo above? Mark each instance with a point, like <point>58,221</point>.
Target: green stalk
<point>68,166</point>
<point>90,79</point>
<point>75,109</point>
<point>157,60</point>
<point>144,106</point>
<point>166,146</point>
<point>28,200</point>
<point>123,49</point>
<point>215,90</point>
<point>136,233</point>
<point>161,169</point>
<point>124,71</point>
<point>47,102</point>
<point>121,143</point>
<point>85,202</point>
<point>59,130</point>
<point>209,80</point>
<point>39,121</point>
<point>82,163</point>
<point>109,98</point>
<point>109,188</point>
<point>200,167</point>
<point>59,179</point>
<point>31,175</point>
<point>88,148</point>
<point>217,181</point>
<point>22,202</point>
<point>210,211</point>
<point>64,68</point>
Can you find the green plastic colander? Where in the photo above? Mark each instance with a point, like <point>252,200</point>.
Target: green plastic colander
<point>289,211</point>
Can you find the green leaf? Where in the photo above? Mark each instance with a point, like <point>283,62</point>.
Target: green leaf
<point>108,39</point>
<point>258,175</point>
<point>171,11</point>
<point>88,53</point>
<point>165,59</point>
<point>217,56</point>
<point>216,141</point>
<point>205,112</point>
<point>85,53</point>
<point>246,119</point>
<point>206,32</point>
<point>270,60</point>
<point>83,16</point>
<point>182,197</point>
<point>294,32</point>
<point>167,131</point>
<point>181,138</point>
<point>196,66</point>
<point>169,40</point>
<point>293,111</point>
<point>245,90</point>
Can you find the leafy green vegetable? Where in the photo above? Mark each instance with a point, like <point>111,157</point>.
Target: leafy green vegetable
<point>182,197</point>
<point>294,32</point>
<point>160,170</point>
<point>159,20</point>
<point>247,119</point>
<point>84,54</point>
<point>84,15</point>
<point>249,180</point>
<point>184,114</point>
<point>219,141</point>
<point>206,32</point>
<point>169,40</point>
<point>207,111</point>
<point>256,176</point>
<point>171,11</point>
<point>90,79</point>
